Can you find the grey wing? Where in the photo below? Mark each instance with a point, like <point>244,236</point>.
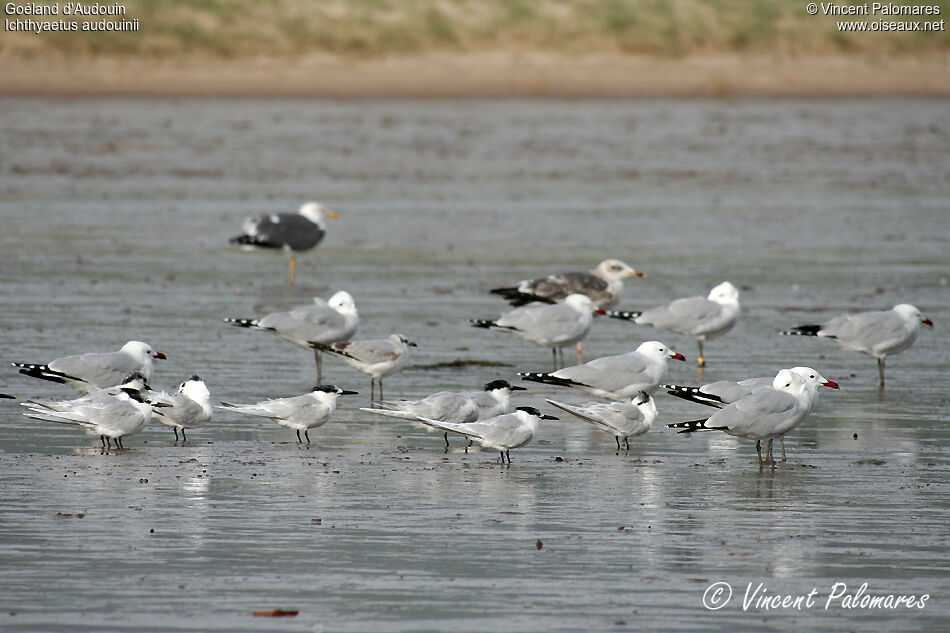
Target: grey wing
<point>317,322</point>
<point>184,411</point>
<point>609,373</point>
<point>448,406</point>
<point>759,414</point>
<point>281,230</point>
<point>682,316</point>
<point>550,322</point>
<point>865,329</point>
<point>371,352</point>
<point>589,413</point>
<point>100,369</point>
<point>505,431</point>
<point>730,392</point>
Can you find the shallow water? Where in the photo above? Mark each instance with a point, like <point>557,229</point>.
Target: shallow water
<point>116,216</point>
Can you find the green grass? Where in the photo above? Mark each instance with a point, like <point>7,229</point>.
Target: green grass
<point>377,28</point>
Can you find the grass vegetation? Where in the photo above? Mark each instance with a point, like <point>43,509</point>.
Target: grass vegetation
<point>231,29</point>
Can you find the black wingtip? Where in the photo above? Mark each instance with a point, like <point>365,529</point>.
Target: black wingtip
<point>623,315</point>
<point>803,330</point>
<point>549,379</point>
<point>482,323</point>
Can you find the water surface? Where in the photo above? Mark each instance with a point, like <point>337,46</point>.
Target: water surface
<point>116,215</point>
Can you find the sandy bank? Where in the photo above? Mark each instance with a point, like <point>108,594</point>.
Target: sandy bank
<point>480,75</point>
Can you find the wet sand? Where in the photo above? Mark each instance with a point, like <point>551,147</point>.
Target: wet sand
<point>117,214</point>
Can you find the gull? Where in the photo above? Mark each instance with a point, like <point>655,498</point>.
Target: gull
<point>94,370</point>
<point>615,377</point>
<point>374,357</point>
<point>603,285</point>
<point>301,413</point>
<point>502,433</point>
<point>555,326</point>
<point>764,414</point>
<point>878,334</point>
<point>291,232</point>
<point>188,408</point>
<point>624,419</point>
<point>701,318</point>
<point>721,393</point>
<point>109,413</point>
<point>321,322</point>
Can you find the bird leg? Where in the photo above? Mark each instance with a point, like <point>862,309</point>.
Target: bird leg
<point>782,440</point>
<point>880,370</point>
<point>183,438</point>
<point>319,359</point>
<point>701,360</point>
<point>306,434</point>
<point>758,450</point>
<point>299,441</point>
<point>445,436</point>
<point>580,353</point>
<point>118,442</point>
<point>617,437</point>
<point>102,438</point>
<point>508,455</point>
<point>626,441</point>
<point>554,358</point>
<point>372,389</point>
<point>175,429</point>
<point>468,443</point>
<point>380,388</point>
<point>293,268</point>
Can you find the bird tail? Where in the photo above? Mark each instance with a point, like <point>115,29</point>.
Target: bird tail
<point>549,379</point>
<point>624,315</point>
<point>44,372</point>
<point>803,330</point>
<point>337,349</point>
<point>691,426</point>
<point>393,413</point>
<point>694,394</point>
<point>490,325</point>
<point>579,414</point>
<point>55,416</point>
<point>248,323</point>
<point>517,298</point>
<point>248,409</point>
<point>451,427</point>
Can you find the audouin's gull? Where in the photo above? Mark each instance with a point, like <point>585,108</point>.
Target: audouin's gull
<point>96,370</point>
<point>700,318</point>
<point>320,322</point>
<point>615,377</point>
<point>721,393</point>
<point>556,326</point>
<point>878,334</point>
<point>766,413</point>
